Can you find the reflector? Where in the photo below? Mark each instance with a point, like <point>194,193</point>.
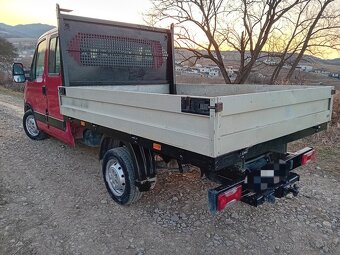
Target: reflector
<point>308,156</point>
<point>228,197</point>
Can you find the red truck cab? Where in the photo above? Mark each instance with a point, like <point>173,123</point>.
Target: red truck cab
<point>42,111</point>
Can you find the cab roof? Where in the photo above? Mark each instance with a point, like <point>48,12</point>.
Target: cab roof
<point>50,32</point>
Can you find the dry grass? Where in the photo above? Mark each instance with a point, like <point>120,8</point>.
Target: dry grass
<point>330,137</point>
<point>336,109</point>
<point>18,87</point>
<point>11,91</point>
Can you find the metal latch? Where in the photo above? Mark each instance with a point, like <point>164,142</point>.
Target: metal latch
<point>218,107</point>
<point>199,105</point>
<point>43,90</point>
<point>62,91</point>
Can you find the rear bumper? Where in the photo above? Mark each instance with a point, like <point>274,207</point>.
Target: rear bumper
<point>262,180</point>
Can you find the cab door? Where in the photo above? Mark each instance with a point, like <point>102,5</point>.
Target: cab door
<point>58,127</point>
<point>53,81</point>
<point>35,94</point>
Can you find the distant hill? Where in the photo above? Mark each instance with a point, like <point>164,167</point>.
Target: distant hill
<point>23,31</point>
<point>233,58</point>
<point>335,61</point>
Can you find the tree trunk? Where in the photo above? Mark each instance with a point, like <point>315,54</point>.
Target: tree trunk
<point>308,36</point>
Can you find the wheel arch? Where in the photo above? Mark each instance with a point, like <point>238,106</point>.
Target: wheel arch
<point>143,160</point>
<point>107,143</point>
<point>37,133</point>
<point>27,107</point>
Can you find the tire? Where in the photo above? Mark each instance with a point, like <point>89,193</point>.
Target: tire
<point>31,127</point>
<point>119,176</point>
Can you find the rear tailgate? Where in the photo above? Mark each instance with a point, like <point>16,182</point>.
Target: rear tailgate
<point>250,119</point>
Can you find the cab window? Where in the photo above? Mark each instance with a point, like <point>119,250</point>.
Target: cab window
<point>54,57</point>
<point>38,62</point>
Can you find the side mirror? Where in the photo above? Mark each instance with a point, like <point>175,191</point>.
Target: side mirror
<point>18,73</point>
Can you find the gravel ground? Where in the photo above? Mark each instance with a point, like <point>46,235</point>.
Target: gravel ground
<point>53,201</point>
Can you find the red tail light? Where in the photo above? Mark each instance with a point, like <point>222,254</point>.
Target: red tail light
<point>228,197</point>
<point>308,156</point>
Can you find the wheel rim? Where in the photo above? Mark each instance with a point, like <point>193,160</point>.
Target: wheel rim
<point>31,126</point>
<point>115,177</point>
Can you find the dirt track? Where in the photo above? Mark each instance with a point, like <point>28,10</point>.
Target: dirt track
<point>53,201</point>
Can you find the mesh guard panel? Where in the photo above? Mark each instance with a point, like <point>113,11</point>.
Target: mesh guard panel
<point>98,52</point>
<point>104,50</point>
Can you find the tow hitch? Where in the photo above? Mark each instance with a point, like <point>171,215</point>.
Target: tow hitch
<point>265,179</point>
<point>270,195</point>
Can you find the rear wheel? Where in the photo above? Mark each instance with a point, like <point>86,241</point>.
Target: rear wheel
<point>119,176</point>
<point>31,127</point>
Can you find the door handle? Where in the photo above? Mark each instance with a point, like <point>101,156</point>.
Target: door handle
<point>43,88</point>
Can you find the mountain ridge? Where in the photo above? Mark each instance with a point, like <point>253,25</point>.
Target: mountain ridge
<point>24,31</point>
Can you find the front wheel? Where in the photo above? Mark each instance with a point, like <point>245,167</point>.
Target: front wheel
<point>119,176</point>
<point>31,127</point>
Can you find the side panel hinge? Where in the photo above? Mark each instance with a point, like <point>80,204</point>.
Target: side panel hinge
<point>218,107</point>
<point>199,105</point>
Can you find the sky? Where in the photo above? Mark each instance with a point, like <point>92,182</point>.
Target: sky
<point>14,12</point>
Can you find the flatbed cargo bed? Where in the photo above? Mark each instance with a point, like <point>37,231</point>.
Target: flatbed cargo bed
<point>247,114</point>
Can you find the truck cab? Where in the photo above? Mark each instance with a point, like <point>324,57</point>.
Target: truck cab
<point>41,92</point>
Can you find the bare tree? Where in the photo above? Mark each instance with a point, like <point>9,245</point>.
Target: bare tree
<point>320,22</point>
<point>287,47</point>
<point>259,19</point>
<point>296,39</point>
<point>240,25</point>
<point>206,27</point>
<point>191,17</point>
<point>7,55</point>
<point>293,39</point>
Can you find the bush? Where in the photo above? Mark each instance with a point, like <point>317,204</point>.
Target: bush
<point>15,86</point>
<point>336,109</point>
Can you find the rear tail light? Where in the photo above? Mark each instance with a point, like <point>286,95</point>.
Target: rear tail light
<point>308,156</point>
<point>229,197</point>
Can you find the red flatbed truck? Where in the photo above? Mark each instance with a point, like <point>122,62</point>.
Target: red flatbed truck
<point>113,85</point>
